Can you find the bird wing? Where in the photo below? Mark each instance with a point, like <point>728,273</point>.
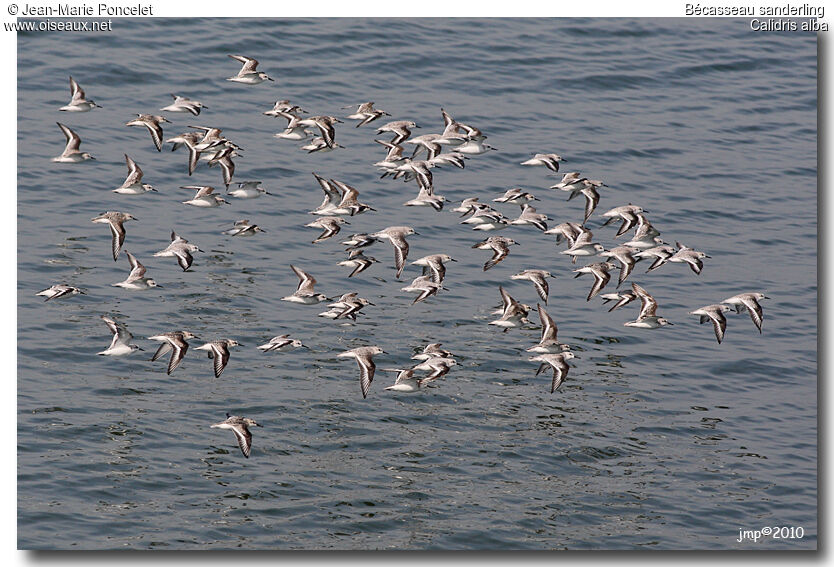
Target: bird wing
<point>648,307</point>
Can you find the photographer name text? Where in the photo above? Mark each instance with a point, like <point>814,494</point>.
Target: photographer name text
<point>95,10</point>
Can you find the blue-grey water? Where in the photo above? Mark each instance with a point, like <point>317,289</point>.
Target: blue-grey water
<point>658,439</point>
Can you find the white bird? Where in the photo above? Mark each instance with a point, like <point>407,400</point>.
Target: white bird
<point>204,197</point>
<point>71,153</point>
<point>364,358</point>
<point>218,351</point>
<point>751,302</point>
<point>248,74</point>
<point>500,247</point>
<point>358,261</point>
<point>60,290</point>
<point>550,161</point>
<point>115,220</point>
<point>689,256</point>
<point>549,342</point>
<point>601,276</point>
<point>184,104</point>
<point>648,318</point>
<point>176,343</point>
<point>513,313</point>
<point>280,343</point>
<point>396,235</point>
<point>714,313</point>
<point>240,427</point>
<point>133,183</point>
<point>136,280</point>
<point>539,279</point>
<point>78,102</point>
<point>180,249</point>
<point>150,122</point>
<point>248,190</point>
<point>305,293</point>
<point>559,364</point>
<point>120,345</point>
<point>424,286</point>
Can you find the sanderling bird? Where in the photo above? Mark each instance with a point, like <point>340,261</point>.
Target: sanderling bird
<point>115,220</point>
<point>180,249</point>
<point>78,102</point>
<point>660,253</point>
<point>406,382</point>
<point>349,204</point>
<point>71,153</point>
<point>280,343</point>
<point>467,205</point>
<point>437,366</point>
<point>186,138</point>
<point>539,279</point>
<point>645,236</point>
<point>294,130</point>
<point>559,364</point>
<point>591,200</point>
<point>425,286</point>
<point>332,197</point>
<point>218,351</point>
<point>282,107</point>
<point>619,299</point>
<point>176,342</point>
<point>751,302</point>
<point>601,276</point>
<point>204,197</point>
<point>305,293</point>
<point>567,231</point>
<point>714,313</point>
<point>150,122</point>
<point>346,307</point>
<point>326,126</point>
<point>571,181</point>
<point>318,144</point>
<point>360,240</point>
<point>550,161</point>
<point>485,218</point>
<point>530,216</point>
<point>513,313</point>
<point>400,128</point>
<point>582,246</point>
<point>474,147</point>
<point>517,196</point>
<point>426,198</point>
<point>60,290</point>
<point>394,157</point>
<point>358,261</point>
<point>240,427</point>
<point>248,190</point>
<point>624,255</point>
<point>420,170</point>
<point>243,227</point>
<point>432,350</point>
<point>396,235</point>
<point>133,183</point>
<point>434,264</point>
<point>120,345</point>
<point>549,342</point>
<point>364,358</point>
<point>500,247</point>
<point>136,280</point>
<point>330,225</point>
<point>648,318</point>
<point>690,256</point>
<point>184,104</point>
<point>627,213</point>
<point>248,74</point>
<point>227,166</point>
<point>366,113</point>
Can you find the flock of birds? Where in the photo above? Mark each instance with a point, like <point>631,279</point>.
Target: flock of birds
<point>452,147</point>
